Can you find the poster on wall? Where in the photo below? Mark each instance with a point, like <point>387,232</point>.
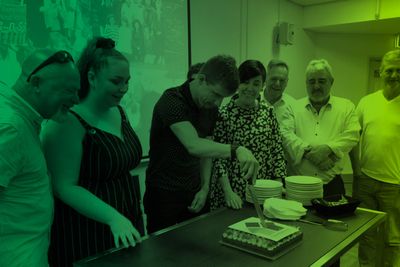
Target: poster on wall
<point>12,24</point>
<point>152,34</point>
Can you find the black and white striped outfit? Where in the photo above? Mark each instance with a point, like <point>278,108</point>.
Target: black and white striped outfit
<point>105,171</point>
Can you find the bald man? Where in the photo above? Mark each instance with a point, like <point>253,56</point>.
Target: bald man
<point>48,85</point>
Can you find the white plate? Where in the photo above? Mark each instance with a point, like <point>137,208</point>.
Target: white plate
<point>304,187</point>
<point>268,184</point>
<point>280,217</point>
<point>305,194</point>
<point>303,180</point>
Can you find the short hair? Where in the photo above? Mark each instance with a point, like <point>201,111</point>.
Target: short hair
<point>392,56</point>
<point>194,69</point>
<point>250,69</point>
<point>95,57</point>
<point>319,64</point>
<point>277,63</point>
<point>222,70</point>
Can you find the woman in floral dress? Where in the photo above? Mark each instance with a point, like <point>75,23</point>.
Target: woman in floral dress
<point>245,121</point>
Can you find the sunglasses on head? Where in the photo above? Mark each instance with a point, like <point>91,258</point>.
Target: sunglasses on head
<point>60,57</point>
<point>105,43</point>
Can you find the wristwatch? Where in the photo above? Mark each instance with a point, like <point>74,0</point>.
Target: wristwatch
<point>306,150</point>
<point>233,151</point>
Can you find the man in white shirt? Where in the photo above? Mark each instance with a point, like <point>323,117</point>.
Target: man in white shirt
<point>376,163</point>
<point>276,82</point>
<point>319,130</point>
<point>48,85</point>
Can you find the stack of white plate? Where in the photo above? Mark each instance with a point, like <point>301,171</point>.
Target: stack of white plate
<point>303,188</point>
<point>283,209</point>
<point>265,189</point>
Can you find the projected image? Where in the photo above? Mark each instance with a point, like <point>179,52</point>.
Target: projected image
<point>152,34</point>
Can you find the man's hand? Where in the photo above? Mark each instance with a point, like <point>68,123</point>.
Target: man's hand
<point>318,154</point>
<point>232,200</point>
<point>249,165</point>
<point>326,164</point>
<point>199,201</point>
<point>322,156</point>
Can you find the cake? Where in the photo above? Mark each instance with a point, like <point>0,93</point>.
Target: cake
<point>271,240</point>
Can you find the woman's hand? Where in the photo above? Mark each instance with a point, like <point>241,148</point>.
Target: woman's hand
<point>232,200</point>
<point>199,201</point>
<point>123,230</point>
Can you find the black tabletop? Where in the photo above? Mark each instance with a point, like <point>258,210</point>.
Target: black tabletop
<point>196,243</point>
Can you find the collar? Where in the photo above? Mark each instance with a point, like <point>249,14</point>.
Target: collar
<point>307,102</point>
<point>396,99</point>
<point>185,91</point>
<point>281,100</point>
<point>236,97</point>
<point>22,106</point>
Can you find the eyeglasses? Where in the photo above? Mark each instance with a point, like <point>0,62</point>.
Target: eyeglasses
<point>61,57</point>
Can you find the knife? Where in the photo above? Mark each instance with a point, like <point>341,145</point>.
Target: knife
<point>257,205</point>
<point>329,223</point>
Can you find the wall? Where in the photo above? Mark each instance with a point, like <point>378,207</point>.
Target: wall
<point>245,30</point>
<point>216,28</point>
<point>349,56</point>
<point>263,16</point>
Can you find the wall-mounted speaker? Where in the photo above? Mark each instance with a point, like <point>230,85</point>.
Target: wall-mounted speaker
<point>286,33</point>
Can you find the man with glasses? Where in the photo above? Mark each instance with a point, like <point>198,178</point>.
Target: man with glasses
<point>48,85</point>
<point>319,130</point>
<point>376,163</point>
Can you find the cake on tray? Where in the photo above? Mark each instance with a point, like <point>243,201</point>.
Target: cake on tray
<point>270,241</point>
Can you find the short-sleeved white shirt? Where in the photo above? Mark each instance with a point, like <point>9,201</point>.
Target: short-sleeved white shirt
<point>380,137</point>
<point>26,202</point>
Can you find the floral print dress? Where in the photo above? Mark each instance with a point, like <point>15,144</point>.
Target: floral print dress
<point>256,129</point>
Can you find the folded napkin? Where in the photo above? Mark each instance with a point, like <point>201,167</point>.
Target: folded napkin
<point>283,209</point>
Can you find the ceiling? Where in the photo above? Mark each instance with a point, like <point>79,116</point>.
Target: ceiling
<point>311,2</point>
<point>384,26</point>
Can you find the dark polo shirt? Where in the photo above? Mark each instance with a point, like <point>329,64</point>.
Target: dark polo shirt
<point>171,167</point>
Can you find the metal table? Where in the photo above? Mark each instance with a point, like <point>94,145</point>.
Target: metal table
<point>196,243</point>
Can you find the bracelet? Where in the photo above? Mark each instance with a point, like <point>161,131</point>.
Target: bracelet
<point>233,151</point>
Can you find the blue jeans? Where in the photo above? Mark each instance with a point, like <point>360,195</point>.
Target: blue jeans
<point>384,197</point>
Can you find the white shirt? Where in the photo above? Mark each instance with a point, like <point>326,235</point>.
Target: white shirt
<point>380,138</point>
<point>281,105</point>
<point>26,200</point>
<point>336,125</point>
